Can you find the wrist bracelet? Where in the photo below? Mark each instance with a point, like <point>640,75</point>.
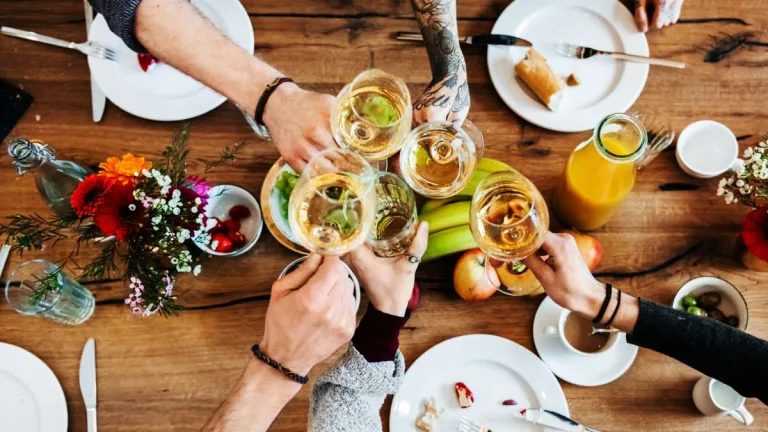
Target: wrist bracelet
<point>615,311</point>
<point>293,376</point>
<point>271,87</point>
<point>604,307</point>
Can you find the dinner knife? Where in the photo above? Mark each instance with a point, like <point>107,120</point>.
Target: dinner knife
<point>98,98</point>
<point>552,419</point>
<point>88,382</point>
<point>489,39</point>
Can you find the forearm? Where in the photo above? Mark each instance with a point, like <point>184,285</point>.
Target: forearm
<point>177,34</point>
<point>258,398</point>
<point>437,21</point>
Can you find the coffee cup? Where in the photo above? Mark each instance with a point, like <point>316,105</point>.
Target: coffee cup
<point>574,332</point>
<point>707,149</point>
<point>714,398</point>
<point>294,265</point>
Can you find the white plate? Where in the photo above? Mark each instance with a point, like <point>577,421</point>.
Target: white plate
<point>494,368</point>
<point>163,93</point>
<point>31,398</point>
<point>607,85</point>
<point>576,369</point>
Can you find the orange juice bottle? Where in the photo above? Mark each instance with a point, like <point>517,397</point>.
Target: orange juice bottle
<point>600,173</point>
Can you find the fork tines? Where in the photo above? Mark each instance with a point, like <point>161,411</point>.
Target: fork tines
<point>468,425</point>
<point>569,50</point>
<point>101,51</point>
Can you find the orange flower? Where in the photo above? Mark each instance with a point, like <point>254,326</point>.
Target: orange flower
<point>124,170</point>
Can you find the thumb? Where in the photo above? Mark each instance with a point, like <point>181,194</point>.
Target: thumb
<point>641,15</point>
<point>297,278</point>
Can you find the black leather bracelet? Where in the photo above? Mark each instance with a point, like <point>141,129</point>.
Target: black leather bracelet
<point>604,307</point>
<point>615,311</point>
<point>293,376</point>
<point>271,87</point>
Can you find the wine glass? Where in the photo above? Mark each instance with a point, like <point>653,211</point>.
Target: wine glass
<point>396,218</point>
<point>509,220</point>
<point>331,209</point>
<point>372,115</point>
<point>439,158</point>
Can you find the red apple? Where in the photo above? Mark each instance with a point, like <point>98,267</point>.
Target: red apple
<point>470,279</point>
<point>589,247</point>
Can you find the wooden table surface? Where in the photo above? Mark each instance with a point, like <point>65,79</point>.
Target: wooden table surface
<point>169,375</point>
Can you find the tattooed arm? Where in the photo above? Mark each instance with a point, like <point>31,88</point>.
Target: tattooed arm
<point>447,96</point>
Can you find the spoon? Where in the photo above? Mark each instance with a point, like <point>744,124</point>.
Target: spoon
<point>602,330</point>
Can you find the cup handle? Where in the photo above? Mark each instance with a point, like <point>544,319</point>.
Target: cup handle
<point>742,415</point>
<point>551,331</point>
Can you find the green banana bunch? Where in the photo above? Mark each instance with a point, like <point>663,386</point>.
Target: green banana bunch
<point>448,218</point>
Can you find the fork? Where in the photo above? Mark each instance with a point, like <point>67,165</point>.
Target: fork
<point>93,49</point>
<point>580,52</point>
<point>468,425</point>
<point>660,135</point>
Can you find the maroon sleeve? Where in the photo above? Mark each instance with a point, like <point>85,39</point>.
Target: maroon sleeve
<point>376,338</point>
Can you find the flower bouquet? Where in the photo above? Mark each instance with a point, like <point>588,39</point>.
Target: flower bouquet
<point>748,185</point>
<point>144,214</point>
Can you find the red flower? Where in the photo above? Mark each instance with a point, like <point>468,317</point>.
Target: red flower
<point>119,214</point>
<point>88,196</point>
<point>754,232</point>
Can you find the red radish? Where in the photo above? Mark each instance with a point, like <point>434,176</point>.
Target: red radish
<point>239,212</point>
<point>218,227</point>
<point>237,238</point>
<point>223,243</point>
<point>147,61</point>
<point>232,225</point>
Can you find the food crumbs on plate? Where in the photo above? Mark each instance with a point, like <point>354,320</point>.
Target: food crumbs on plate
<point>509,402</point>
<point>573,80</point>
<point>523,411</point>
<point>464,394</point>
<point>432,413</point>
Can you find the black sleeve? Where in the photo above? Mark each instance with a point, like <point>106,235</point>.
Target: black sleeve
<point>121,18</point>
<point>711,347</point>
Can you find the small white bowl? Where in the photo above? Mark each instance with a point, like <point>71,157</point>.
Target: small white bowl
<point>732,303</point>
<point>224,197</point>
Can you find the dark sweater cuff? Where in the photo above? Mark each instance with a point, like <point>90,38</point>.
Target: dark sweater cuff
<point>376,338</point>
<point>121,18</point>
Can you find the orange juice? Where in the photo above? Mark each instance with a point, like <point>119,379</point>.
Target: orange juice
<point>600,173</point>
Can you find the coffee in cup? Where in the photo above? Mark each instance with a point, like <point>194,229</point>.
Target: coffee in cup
<point>576,334</point>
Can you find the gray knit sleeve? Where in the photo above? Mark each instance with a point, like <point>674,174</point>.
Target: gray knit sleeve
<point>349,396</point>
<point>121,18</point>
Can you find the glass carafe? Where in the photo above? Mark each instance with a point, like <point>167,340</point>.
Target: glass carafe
<point>55,179</point>
<point>600,173</point>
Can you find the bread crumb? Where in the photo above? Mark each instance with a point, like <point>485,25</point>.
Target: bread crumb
<point>572,80</point>
<point>37,117</point>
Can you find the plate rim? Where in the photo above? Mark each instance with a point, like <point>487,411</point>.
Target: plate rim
<point>558,399</point>
<point>186,105</point>
<point>60,416</point>
<point>596,6</point>
<point>266,210</point>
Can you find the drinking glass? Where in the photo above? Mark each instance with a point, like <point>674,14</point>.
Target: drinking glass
<point>396,218</point>
<point>67,303</point>
<point>509,220</point>
<point>331,209</point>
<point>372,115</point>
<point>439,158</point>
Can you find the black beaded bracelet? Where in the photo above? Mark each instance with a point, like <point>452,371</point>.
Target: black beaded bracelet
<point>262,103</point>
<point>615,311</point>
<point>293,376</point>
<point>604,307</point>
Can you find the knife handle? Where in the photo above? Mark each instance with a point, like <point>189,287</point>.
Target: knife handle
<point>92,420</point>
<point>23,34</point>
<point>409,36</point>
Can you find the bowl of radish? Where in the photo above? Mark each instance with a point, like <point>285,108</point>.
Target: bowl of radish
<point>238,221</point>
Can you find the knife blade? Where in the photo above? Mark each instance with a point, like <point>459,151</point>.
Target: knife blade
<point>489,39</point>
<point>88,382</point>
<point>553,420</point>
<point>98,98</point>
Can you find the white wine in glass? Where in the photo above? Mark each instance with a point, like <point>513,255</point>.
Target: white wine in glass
<point>396,218</point>
<point>510,221</point>
<point>438,158</point>
<point>372,115</point>
<point>332,206</point>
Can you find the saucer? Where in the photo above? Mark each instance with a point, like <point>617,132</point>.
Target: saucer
<point>579,370</point>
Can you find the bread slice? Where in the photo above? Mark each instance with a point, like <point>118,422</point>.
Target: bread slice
<point>539,77</point>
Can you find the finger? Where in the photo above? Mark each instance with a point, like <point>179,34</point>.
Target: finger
<point>296,163</point>
<point>641,15</point>
<point>297,278</point>
<point>658,15</point>
<point>678,11</point>
<point>359,258</point>
<point>551,242</point>
<point>457,118</point>
<point>329,272</point>
<point>419,244</point>
<point>543,272</point>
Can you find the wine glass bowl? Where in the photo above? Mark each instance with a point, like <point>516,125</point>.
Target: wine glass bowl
<point>331,209</point>
<point>438,158</point>
<point>372,115</point>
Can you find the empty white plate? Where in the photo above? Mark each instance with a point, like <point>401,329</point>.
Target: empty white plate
<point>31,398</point>
<point>163,93</point>
<point>607,85</point>
<point>495,369</point>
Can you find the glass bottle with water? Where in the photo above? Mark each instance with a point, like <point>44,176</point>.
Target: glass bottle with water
<point>55,179</point>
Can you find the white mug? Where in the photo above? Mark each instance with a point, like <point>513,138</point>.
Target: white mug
<point>714,398</point>
<point>707,149</point>
<point>559,331</point>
